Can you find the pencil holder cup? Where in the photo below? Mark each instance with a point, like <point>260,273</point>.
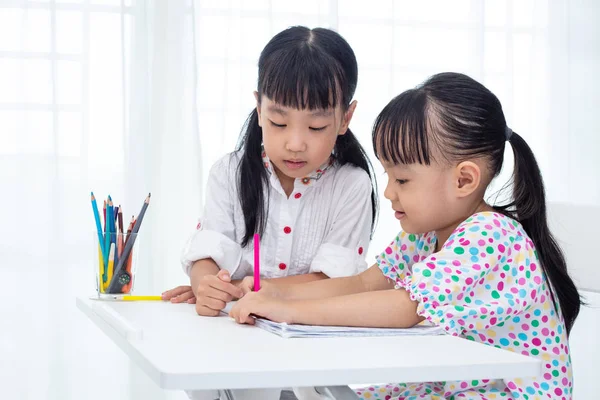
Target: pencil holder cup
<point>116,264</point>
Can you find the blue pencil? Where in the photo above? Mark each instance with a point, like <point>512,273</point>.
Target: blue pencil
<point>109,213</point>
<point>111,223</point>
<point>113,227</point>
<point>98,223</point>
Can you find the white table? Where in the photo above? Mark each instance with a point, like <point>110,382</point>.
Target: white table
<point>180,350</point>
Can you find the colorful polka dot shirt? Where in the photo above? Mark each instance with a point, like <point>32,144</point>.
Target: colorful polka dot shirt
<point>485,285</point>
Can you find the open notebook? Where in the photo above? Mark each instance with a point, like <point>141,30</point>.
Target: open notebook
<point>306,331</point>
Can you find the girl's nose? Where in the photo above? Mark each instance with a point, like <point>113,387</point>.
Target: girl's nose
<point>296,143</point>
<point>389,193</point>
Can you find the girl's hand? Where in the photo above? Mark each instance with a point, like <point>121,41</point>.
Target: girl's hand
<point>246,284</point>
<point>267,288</point>
<point>258,304</point>
<point>180,294</point>
<point>214,292</point>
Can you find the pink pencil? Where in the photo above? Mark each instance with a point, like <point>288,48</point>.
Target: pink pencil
<point>256,262</point>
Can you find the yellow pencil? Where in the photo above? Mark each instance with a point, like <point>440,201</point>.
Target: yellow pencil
<point>101,270</point>
<point>118,297</point>
<point>111,264</point>
<point>141,298</point>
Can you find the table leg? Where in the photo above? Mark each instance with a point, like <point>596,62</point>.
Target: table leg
<point>338,392</point>
<point>250,394</point>
<point>319,393</point>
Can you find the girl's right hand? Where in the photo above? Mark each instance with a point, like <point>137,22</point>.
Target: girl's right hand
<point>267,288</point>
<point>257,304</point>
<point>214,292</point>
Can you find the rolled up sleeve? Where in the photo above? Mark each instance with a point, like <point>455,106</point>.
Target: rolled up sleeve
<point>215,237</point>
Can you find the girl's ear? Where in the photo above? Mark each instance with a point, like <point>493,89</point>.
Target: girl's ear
<point>347,117</point>
<point>467,176</point>
<point>257,108</point>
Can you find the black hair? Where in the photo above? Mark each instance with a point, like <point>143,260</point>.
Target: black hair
<point>462,118</point>
<point>305,69</point>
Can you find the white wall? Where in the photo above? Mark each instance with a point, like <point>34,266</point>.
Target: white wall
<point>585,351</point>
<point>576,229</point>
<point>53,133</point>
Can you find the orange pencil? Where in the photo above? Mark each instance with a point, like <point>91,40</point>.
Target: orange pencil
<point>127,287</point>
<point>129,229</point>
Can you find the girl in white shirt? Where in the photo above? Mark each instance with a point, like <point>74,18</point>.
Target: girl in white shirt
<point>299,178</point>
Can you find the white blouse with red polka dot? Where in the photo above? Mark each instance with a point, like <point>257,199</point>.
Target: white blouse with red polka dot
<point>323,226</point>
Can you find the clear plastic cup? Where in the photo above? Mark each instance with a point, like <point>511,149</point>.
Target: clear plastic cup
<point>116,264</point>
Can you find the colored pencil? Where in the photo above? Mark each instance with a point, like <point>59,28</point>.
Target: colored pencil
<point>256,262</point>
<point>141,298</point>
<point>119,247</point>
<point>133,298</point>
<point>128,246</point>
<point>111,262</point>
<point>120,219</point>
<point>111,221</point>
<point>129,229</point>
<point>120,229</point>
<point>106,248</point>
<point>127,288</point>
<point>110,211</point>
<point>101,270</point>
<point>97,219</point>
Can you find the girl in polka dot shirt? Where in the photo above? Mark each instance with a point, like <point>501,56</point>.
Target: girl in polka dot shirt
<point>299,178</point>
<point>491,274</point>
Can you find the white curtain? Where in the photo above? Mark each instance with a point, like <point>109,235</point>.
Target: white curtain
<point>94,95</point>
<point>537,56</point>
<point>126,97</point>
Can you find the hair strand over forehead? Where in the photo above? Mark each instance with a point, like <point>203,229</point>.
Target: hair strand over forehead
<point>315,72</point>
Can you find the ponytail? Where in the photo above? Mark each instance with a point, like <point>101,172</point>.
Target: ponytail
<point>300,68</point>
<point>252,176</point>
<point>467,122</point>
<point>529,208</point>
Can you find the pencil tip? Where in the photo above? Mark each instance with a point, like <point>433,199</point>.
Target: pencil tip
<point>149,194</point>
<point>92,193</point>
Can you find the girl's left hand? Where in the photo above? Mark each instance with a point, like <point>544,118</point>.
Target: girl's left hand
<point>261,305</point>
<point>180,294</point>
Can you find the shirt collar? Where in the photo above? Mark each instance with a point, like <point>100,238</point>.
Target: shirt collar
<point>309,179</point>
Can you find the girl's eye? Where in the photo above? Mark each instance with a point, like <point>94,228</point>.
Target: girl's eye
<point>401,181</point>
<point>318,129</point>
<point>277,125</point>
